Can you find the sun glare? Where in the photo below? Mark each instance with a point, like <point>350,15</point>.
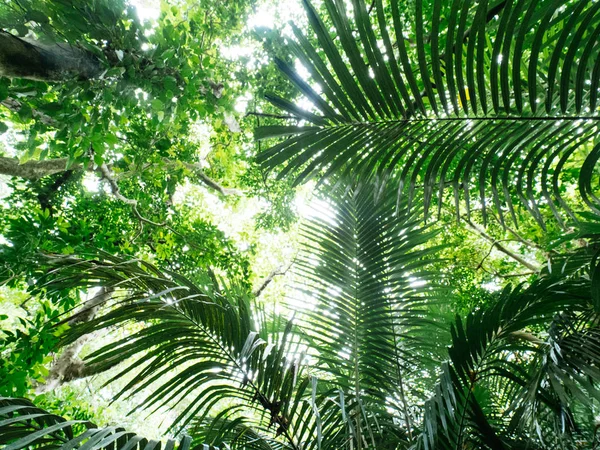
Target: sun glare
<point>147,10</point>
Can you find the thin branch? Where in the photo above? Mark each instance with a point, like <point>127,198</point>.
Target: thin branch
<point>497,274</point>
<point>371,7</point>
<point>521,238</point>
<point>514,275</point>
<point>502,248</point>
<point>114,187</point>
<point>480,265</point>
<point>276,272</point>
<point>197,170</point>
<point>274,116</point>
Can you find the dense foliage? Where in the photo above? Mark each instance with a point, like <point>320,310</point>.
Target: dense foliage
<point>476,326</point>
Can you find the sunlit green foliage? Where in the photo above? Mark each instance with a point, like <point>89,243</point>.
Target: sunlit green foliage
<point>441,292</point>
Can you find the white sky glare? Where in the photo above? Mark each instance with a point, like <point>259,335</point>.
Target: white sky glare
<point>147,9</point>
<point>269,13</point>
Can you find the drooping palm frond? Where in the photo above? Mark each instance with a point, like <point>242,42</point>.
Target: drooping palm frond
<point>498,349</point>
<point>24,426</point>
<point>566,371</point>
<point>497,98</point>
<point>235,433</point>
<point>191,345</point>
<point>361,312</point>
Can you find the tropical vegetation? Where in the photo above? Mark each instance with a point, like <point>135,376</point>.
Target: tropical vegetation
<point>445,291</point>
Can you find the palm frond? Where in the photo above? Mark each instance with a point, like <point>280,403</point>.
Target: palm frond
<point>498,348</point>
<point>360,308</point>
<point>495,99</point>
<point>567,366</point>
<point>235,433</point>
<point>24,426</point>
<point>191,345</point>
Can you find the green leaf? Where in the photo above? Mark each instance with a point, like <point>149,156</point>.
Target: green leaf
<point>22,426</point>
<point>157,105</point>
<point>3,90</point>
<point>170,83</point>
<point>25,112</point>
<point>37,16</point>
<point>115,72</point>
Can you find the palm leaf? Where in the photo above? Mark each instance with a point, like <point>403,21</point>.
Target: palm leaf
<point>24,426</point>
<point>497,348</point>
<point>495,99</point>
<point>235,433</point>
<point>566,369</point>
<point>359,265</point>
<point>194,345</point>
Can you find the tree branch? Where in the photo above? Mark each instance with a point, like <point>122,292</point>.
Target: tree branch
<point>521,238</point>
<point>33,170</point>
<point>68,366</point>
<point>197,170</point>
<point>114,187</point>
<point>276,272</point>
<point>514,275</point>
<point>33,60</point>
<point>274,116</point>
<point>14,106</point>
<point>502,248</point>
<point>371,7</point>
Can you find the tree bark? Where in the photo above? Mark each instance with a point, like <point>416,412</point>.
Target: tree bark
<point>32,170</point>
<point>24,58</point>
<point>68,366</point>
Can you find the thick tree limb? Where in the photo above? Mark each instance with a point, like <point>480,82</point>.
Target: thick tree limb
<point>24,58</point>
<point>497,244</point>
<point>68,366</point>
<point>15,105</point>
<point>34,170</point>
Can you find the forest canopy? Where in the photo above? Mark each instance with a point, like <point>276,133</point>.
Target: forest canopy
<point>310,224</point>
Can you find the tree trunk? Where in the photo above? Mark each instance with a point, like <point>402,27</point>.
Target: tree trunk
<point>21,58</point>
